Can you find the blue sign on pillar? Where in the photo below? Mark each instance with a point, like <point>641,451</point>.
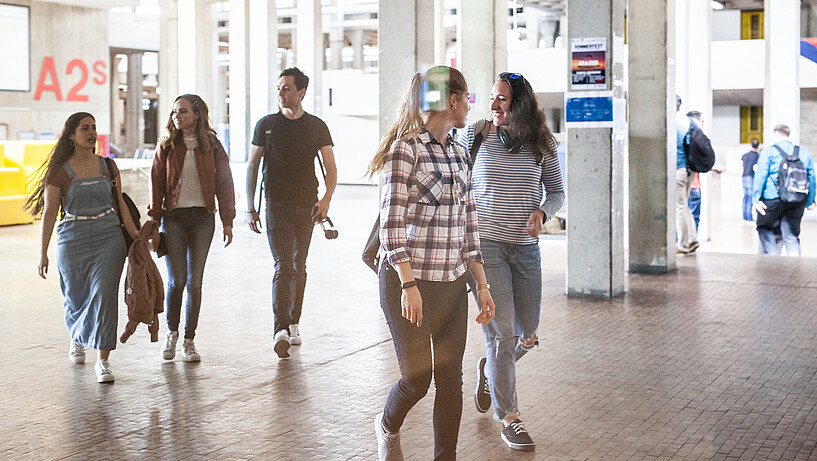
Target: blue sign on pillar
<point>589,109</point>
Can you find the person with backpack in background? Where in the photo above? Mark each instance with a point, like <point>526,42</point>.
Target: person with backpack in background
<point>515,157</point>
<point>784,187</point>
<point>694,155</point>
<point>749,160</point>
<point>288,141</point>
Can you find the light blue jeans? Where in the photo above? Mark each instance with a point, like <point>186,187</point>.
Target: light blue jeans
<point>515,275</point>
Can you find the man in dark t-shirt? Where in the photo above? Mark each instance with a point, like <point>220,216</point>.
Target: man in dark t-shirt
<point>749,166</point>
<point>288,141</point>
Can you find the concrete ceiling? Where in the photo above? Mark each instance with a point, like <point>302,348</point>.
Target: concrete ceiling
<point>100,4</point>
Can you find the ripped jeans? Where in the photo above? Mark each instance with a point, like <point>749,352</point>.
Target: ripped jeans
<point>515,275</point>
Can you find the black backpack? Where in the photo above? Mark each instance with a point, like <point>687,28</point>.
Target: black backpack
<point>698,150</point>
<point>370,251</point>
<point>792,177</point>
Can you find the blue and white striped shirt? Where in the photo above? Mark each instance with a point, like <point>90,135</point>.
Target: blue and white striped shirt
<point>508,188</point>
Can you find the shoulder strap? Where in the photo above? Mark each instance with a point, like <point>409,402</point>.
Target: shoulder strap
<point>782,152</point>
<point>481,130</point>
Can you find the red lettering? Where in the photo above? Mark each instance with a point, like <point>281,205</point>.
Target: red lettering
<point>99,68</point>
<point>74,95</point>
<point>48,68</point>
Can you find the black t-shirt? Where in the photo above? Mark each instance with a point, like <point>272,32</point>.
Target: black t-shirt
<point>290,147</point>
<point>749,160</point>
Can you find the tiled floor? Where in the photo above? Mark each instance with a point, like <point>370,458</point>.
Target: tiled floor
<point>714,361</point>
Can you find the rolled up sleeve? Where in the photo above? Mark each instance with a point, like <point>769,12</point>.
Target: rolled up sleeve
<point>394,202</point>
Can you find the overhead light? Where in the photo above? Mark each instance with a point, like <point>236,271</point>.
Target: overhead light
<point>717,5</point>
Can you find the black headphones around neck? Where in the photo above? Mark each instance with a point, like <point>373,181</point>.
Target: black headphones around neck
<point>512,143</point>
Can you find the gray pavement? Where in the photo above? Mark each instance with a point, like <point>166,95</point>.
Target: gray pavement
<point>714,361</point>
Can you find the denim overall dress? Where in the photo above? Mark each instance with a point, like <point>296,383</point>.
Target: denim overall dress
<point>90,257</point>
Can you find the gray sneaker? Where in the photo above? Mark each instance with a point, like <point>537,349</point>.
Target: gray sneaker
<point>516,436</point>
<point>169,346</point>
<point>189,351</point>
<point>482,394</point>
<point>76,353</point>
<point>388,444</point>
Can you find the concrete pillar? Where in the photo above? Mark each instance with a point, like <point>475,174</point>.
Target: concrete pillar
<point>482,27</point>
<point>240,123</point>
<point>781,96</point>
<point>336,39</point>
<point>440,43</point>
<point>117,109</point>
<point>168,58</point>
<point>134,117</point>
<point>401,56</point>
<point>357,37</point>
<point>262,65</point>
<point>309,52</point>
<point>547,31</point>
<point>652,136</point>
<point>532,25</point>
<point>194,50</point>
<point>595,157</point>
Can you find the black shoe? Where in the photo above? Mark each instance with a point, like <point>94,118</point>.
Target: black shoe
<point>482,395</point>
<point>516,436</point>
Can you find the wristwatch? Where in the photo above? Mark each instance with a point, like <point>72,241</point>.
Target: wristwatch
<point>483,286</point>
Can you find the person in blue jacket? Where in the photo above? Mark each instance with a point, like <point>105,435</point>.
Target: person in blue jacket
<point>771,210</point>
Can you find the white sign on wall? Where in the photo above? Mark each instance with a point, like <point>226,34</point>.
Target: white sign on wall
<point>15,48</point>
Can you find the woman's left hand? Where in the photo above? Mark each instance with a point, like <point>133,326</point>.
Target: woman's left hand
<point>534,226</point>
<point>228,235</point>
<point>486,315</point>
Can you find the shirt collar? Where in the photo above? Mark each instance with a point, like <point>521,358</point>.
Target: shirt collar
<point>426,137</point>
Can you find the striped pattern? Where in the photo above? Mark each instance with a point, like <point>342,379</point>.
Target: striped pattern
<point>427,210</point>
<point>508,188</point>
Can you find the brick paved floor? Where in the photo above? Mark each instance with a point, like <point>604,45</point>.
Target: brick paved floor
<point>715,361</point>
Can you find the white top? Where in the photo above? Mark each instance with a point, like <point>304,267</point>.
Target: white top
<point>189,185</point>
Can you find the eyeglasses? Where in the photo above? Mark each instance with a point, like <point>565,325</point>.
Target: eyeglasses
<point>511,75</point>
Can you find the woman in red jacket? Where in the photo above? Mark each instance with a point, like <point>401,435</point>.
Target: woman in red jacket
<point>190,171</point>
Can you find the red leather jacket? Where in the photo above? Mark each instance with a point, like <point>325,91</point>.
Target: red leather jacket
<point>215,178</point>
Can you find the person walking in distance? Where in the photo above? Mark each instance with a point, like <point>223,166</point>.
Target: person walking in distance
<point>429,238</point>
<point>514,161</point>
<point>190,172</point>
<point>288,141</point>
<point>784,187</point>
<point>749,160</point>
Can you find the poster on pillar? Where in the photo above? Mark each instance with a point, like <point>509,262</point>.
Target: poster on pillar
<point>588,69</point>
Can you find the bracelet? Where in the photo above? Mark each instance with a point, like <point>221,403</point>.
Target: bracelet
<point>483,286</point>
<point>409,284</point>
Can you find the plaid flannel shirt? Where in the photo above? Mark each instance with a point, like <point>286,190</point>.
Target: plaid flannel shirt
<point>427,209</point>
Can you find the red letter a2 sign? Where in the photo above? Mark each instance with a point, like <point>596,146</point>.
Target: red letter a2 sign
<point>49,72</point>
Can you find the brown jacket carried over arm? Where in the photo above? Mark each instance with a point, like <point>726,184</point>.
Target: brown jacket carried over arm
<point>144,288</point>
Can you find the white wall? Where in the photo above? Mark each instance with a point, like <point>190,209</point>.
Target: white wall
<point>725,125</point>
<point>726,25</point>
<point>134,31</point>
<point>69,36</point>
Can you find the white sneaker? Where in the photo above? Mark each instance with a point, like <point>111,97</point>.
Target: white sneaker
<point>169,347</point>
<point>281,340</point>
<point>103,371</point>
<point>189,351</point>
<point>388,444</point>
<point>294,335</point>
<point>76,353</point>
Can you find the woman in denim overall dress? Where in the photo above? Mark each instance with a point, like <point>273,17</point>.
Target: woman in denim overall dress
<point>90,245</point>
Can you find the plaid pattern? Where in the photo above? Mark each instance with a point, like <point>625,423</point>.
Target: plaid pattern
<point>427,209</point>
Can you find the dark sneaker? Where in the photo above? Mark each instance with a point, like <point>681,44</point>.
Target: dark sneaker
<point>516,436</point>
<point>482,395</point>
<point>693,246</point>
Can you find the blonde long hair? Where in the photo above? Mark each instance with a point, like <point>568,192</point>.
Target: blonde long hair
<point>441,81</point>
<point>204,131</point>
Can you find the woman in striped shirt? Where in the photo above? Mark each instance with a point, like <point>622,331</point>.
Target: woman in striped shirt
<point>429,238</point>
<point>517,156</point>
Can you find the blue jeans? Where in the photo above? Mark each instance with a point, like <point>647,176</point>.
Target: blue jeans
<point>694,203</point>
<point>289,233</point>
<point>748,184</point>
<point>515,275</point>
<point>445,325</point>
<point>188,233</point>
<point>788,217</point>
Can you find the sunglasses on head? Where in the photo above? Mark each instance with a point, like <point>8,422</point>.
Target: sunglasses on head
<point>510,75</point>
